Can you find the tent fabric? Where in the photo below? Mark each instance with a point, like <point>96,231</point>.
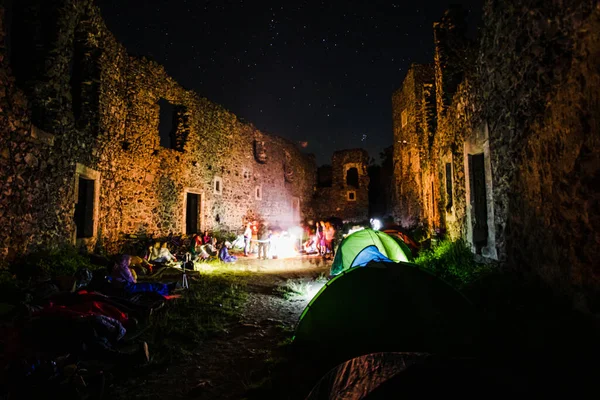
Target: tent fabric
<point>420,375</point>
<point>405,248</point>
<point>368,254</point>
<point>405,237</point>
<point>357,377</point>
<point>354,243</point>
<point>388,307</point>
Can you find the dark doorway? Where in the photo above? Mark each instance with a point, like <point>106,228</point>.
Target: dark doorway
<point>478,201</point>
<point>352,177</point>
<point>191,215</point>
<point>84,209</point>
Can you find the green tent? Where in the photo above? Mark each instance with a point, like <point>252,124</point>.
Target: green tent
<point>387,307</point>
<point>404,248</point>
<point>352,245</point>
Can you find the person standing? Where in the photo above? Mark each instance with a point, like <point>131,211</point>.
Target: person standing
<point>329,238</point>
<point>247,238</point>
<point>263,241</point>
<point>321,238</point>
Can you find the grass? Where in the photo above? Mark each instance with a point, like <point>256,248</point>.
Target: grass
<point>212,302</point>
<point>453,262</point>
<point>294,289</point>
<point>301,289</point>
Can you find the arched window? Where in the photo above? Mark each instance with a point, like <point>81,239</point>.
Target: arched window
<point>352,177</point>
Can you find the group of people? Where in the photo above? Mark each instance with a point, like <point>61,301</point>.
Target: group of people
<point>321,239</point>
<point>263,239</point>
<point>124,276</point>
<point>204,246</point>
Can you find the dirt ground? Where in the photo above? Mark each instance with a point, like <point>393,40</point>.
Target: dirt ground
<point>231,364</point>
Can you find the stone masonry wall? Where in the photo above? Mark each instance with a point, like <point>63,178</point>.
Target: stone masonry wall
<point>539,68</point>
<point>460,118</point>
<point>413,113</point>
<point>530,103</point>
<point>95,112</point>
<point>350,203</point>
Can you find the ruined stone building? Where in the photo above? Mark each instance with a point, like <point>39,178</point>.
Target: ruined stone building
<point>497,141</point>
<point>343,187</point>
<point>82,157</point>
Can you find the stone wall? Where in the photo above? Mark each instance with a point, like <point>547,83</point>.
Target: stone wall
<point>348,196</point>
<point>527,107</point>
<point>539,80</point>
<point>94,113</point>
<point>413,113</point>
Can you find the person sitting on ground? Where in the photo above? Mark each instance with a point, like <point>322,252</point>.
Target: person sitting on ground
<point>224,253</point>
<point>205,238</point>
<point>211,248</point>
<point>310,245</point>
<point>140,266</point>
<point>164,255</point>
<point>202,253</point>
<point>195,245</point>
<point>153,252</point>
<point>122,278</point>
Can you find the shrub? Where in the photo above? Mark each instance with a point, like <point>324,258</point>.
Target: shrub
<point>44,264</point>
<point>223,236</point>
<point>419,233</point>
<point>9,286</point>
<point>453,262</point>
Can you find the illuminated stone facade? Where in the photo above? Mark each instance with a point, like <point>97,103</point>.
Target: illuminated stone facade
<point>82,160</point>
<point>514,154</point>
<point>413,108</point>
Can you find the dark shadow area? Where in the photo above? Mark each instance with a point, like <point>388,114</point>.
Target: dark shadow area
<point>533,344</point>
<point>324,176</point>
<point>166,124</point>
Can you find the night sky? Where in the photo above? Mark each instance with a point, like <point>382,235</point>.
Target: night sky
<point>315,72</point>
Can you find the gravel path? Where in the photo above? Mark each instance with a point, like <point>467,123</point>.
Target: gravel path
<point>228,365</point>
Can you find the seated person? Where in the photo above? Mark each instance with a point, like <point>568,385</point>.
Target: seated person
<point>153,252</point>
<point>140,266</point>
<point>163,255</point>
<point>205,238</point>
<point>203,254</point>
<point>224,253</point>
<point>123,278</point>
<point>195,245</point>
<point>211,248</point>
<point>310,246</point>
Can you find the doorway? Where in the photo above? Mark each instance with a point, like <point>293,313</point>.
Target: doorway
<point>84,208</point>
<point>478,201</point>
<point>192,220</point>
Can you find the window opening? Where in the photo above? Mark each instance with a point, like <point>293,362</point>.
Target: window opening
<point>352,177</point>
<point>166,124</point>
